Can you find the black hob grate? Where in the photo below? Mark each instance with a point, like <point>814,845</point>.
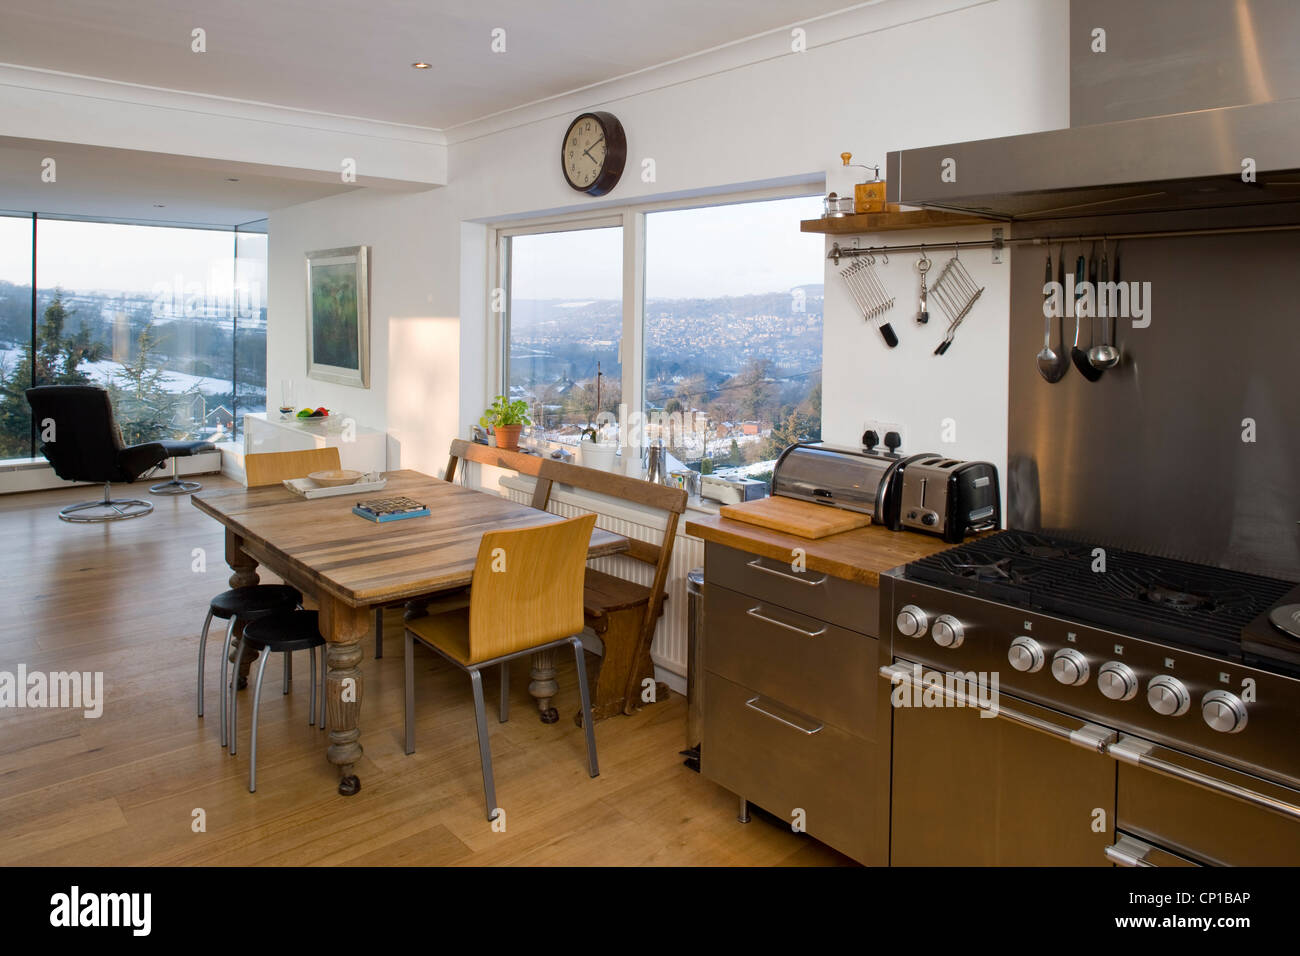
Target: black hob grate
<point>1137,594</point>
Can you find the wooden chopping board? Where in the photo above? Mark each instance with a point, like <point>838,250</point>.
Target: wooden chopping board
<point>801,518</point>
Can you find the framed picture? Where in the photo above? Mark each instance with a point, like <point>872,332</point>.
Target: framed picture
<point>338,315</point>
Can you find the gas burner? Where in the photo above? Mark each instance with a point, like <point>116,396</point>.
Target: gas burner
<point>1287,620</point>
<point>988,571</point>
<point>1183,596</point>
<point>1037,547</point>
<point>1177,600</point>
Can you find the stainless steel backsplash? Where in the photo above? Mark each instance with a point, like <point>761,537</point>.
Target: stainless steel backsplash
<point>1152,456</point>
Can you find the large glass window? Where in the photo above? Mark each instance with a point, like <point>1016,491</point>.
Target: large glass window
<point>172,321</point>
<point>733,333</point>
<point>15,335</point>
<point>565,314</point>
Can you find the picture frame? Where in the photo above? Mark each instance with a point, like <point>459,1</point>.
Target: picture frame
<point>338,315</point>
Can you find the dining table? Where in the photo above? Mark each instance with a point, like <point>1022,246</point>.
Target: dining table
<point>349,566</point>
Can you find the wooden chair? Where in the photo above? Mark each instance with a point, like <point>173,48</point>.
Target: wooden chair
<point>242,606</point>
<point>526,595</point>
<point>624,614</point>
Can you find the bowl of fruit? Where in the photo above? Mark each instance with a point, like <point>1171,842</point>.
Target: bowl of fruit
<point>313,416</point>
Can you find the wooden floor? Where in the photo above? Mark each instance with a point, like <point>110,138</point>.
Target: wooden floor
<point>128,599</point>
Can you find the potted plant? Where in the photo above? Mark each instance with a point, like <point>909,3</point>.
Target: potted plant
<point>594,452</point>
<point>506,419</point>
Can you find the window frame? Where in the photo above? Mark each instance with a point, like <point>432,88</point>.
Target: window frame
<point>632,219</point>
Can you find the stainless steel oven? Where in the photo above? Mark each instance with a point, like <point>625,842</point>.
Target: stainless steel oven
<point>1022,738</point>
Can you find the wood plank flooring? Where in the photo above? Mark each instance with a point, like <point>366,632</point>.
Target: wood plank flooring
<point>128,599</point>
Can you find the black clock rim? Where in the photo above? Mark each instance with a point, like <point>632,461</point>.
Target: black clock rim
<point>615,153</point>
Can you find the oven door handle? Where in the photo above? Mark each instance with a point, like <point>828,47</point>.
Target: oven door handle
<point>1138,752</point>
<point>1088,736</point>
<point>1127,851</point>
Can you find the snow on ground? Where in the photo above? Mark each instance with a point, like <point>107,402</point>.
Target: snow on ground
<point>100,372</point>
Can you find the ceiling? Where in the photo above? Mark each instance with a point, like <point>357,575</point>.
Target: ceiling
<point>95,182</point>
<point>354,58</point>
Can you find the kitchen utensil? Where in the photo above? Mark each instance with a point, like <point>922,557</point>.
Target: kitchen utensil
<point>870,295</point>
<point>656,468</point>
<point>1079,355</point>
<point>956,292</point>
<point>1106,355</point>
<point>335,478</point>
<point>1050,364</point>
<point>923,313</point>
<point>801,518</point>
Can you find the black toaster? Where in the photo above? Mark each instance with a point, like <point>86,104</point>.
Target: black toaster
<point>947,497</point>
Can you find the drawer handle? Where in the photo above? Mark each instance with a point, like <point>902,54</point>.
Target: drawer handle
<point>788,721</point>
<point>757,565</point>
<point>1127,851</point>
<point>757,612</point>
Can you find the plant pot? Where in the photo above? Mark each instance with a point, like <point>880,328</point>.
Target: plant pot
<point>601,457</point>
<point>507,436</point>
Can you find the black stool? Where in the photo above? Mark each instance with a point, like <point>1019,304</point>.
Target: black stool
<point>286,631</point>
<point>243,605</point>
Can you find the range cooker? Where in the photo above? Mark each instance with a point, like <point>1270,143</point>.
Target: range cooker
<point>1148,709</point>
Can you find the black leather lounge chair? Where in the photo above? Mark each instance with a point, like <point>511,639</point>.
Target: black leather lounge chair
<point>85,444</point>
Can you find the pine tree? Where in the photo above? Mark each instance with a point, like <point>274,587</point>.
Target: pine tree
<point>146,410</point>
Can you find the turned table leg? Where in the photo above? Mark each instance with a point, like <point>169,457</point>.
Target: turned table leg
<point>343,627</point>
<point>543,685</point>
<point>244,575</point>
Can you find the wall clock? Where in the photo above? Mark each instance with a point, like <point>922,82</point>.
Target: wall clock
<point>593,153</point>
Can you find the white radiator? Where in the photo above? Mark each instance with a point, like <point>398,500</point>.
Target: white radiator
<point>669,648</point>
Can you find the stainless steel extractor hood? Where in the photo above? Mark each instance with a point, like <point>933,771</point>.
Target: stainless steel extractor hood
<point>1224,76</point>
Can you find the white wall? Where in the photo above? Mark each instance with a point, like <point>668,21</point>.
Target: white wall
<point>888,76</point>
<point>414,334</point>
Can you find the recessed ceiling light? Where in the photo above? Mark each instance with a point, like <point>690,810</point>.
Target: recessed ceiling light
<point>232,179</point>
<point>421,65</point>
<point>159,205</point>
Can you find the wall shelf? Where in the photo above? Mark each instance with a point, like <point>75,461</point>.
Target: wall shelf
<point>891,220</point>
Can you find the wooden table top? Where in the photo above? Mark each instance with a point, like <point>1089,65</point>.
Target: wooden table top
<point>858,555</point>
<point>364,562</point>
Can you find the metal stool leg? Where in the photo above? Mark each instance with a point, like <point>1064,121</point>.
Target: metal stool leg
<point>588,724</point>
<point>505,691</point>
<point>379,633</point>
<point>311,707</point>
<point>225,682</point>
<point>252,740</point>
<point>203,647</point>
<point>234,696</point>
<point>484,754</point>
<point>410,693</point>
<point>288,670</point>
<point>324,653</point>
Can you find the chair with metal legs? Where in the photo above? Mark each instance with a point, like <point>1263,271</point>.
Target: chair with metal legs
<point>526,596</point>
<point>286,632</point>
<point>243,606</point>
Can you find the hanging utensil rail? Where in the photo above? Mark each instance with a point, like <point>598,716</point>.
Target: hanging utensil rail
<point>848,252</point>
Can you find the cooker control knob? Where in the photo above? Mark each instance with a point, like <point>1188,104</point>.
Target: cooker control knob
<point>1168,696</point>
<point>947,631</point>
<point>1117,681</point>
<point>1070,667</point>
<point>912,621</point>
<point>1223,711</point>
<point>1025,654</point>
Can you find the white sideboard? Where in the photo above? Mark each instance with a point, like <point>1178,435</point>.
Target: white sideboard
<point>360,448</point>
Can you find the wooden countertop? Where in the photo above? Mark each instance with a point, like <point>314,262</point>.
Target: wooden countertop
<point>859,555</point>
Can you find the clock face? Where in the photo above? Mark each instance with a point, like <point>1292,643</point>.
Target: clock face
<point>593,153</point>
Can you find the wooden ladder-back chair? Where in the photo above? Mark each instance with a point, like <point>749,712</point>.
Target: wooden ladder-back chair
<point>623,613</point>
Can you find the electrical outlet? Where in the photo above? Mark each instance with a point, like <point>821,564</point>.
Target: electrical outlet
<point>882,429</point>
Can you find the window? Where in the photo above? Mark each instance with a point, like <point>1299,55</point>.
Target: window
<point>15,335</point>
<point>170,320</point>
<point>733,333</point>
<point>731,323</point>
<point>565,314</point>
